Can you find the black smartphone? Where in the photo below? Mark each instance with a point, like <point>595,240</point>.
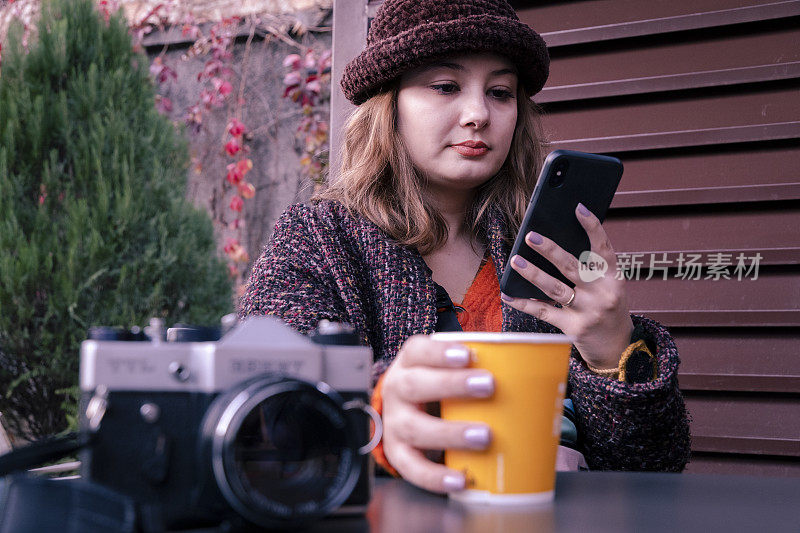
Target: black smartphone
<point>567,178</point>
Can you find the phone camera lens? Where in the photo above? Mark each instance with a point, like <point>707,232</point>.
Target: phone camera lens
<point>559,173</point>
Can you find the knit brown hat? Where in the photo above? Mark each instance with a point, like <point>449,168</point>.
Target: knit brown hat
<point>408,33</point>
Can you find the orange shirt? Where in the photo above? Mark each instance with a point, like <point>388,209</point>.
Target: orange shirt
<point>481,309</point>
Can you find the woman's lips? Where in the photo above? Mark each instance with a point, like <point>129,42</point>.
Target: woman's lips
<point>470,151</point>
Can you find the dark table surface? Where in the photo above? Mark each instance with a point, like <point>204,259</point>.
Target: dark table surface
<point>600,502</point>
<point>596,502</point>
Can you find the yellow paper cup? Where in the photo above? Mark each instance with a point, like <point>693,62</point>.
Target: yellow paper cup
<point>525,412</point>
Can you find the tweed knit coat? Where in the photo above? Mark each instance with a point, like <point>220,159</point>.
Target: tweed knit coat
<point>323,262</point>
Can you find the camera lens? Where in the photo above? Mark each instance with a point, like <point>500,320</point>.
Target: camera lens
<point>559,173</point>
<point>284,451</point>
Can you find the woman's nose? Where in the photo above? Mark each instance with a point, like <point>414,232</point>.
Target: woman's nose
<point>475,112</point>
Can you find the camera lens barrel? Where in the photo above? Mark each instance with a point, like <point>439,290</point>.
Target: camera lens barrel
<point>282,451</point>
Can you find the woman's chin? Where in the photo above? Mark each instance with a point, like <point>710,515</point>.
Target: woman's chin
<point>460,182</point>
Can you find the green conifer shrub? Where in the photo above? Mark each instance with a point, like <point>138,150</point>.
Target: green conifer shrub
<point>94,225</point>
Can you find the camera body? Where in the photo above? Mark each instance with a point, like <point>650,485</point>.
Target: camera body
<point>260,427</point>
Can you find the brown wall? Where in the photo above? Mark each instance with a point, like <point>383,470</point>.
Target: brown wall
<point>701,101</point>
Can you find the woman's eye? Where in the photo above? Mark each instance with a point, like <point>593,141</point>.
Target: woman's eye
<point>501,94</point>
<point>445,88</point>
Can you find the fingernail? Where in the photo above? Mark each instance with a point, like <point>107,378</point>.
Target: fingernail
<point>505,297</point>
<point>583,211</point>
<point>453,482</point>
<point>456,356</point>
<point>519,261</point>
<point>535,238</point>
<point>481,385</point>
<point>477,436</point>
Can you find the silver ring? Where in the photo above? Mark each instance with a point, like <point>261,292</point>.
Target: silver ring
<point>571,299</point>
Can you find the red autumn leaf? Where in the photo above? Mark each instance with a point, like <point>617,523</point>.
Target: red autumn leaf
<point>292,60</point>
<point>213,68</point>
<point>237,171</point>
<point>236,251</point>
<point>233,176</point>
<point>292,78</point>
<point>166,74</point>
<point>163,105</point>
<point>223,87</point>
<point>194,118</point>
<point>211,98</point>
<point>236,128</point>
<point>237,203</point>
<point>230,244</point>
<point>244,166</point>
<point>161,72</point>
<point>219,52</point>
<point>233,147</point>
<point>314,87</point>
<point>325,61</point>
<point>310,60</point>
<point>247,190</point>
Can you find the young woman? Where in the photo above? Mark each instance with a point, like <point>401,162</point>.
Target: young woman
<point>439,161</point>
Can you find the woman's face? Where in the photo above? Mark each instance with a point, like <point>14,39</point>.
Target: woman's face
<point>457,118</point>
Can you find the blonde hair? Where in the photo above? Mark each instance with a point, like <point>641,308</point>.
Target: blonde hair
<point>378,181</point>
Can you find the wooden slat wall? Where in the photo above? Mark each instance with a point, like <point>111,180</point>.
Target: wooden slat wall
<point>701,101</point>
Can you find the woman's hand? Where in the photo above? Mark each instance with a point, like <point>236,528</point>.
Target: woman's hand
<point>596,313</point>
<point>426,370</point>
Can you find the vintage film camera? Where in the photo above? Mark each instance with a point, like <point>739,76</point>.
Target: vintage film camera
<point>263,427</point>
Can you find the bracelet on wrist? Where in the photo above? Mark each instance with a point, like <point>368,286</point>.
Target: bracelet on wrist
<point>608,372</point>
<point>636,365</point>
